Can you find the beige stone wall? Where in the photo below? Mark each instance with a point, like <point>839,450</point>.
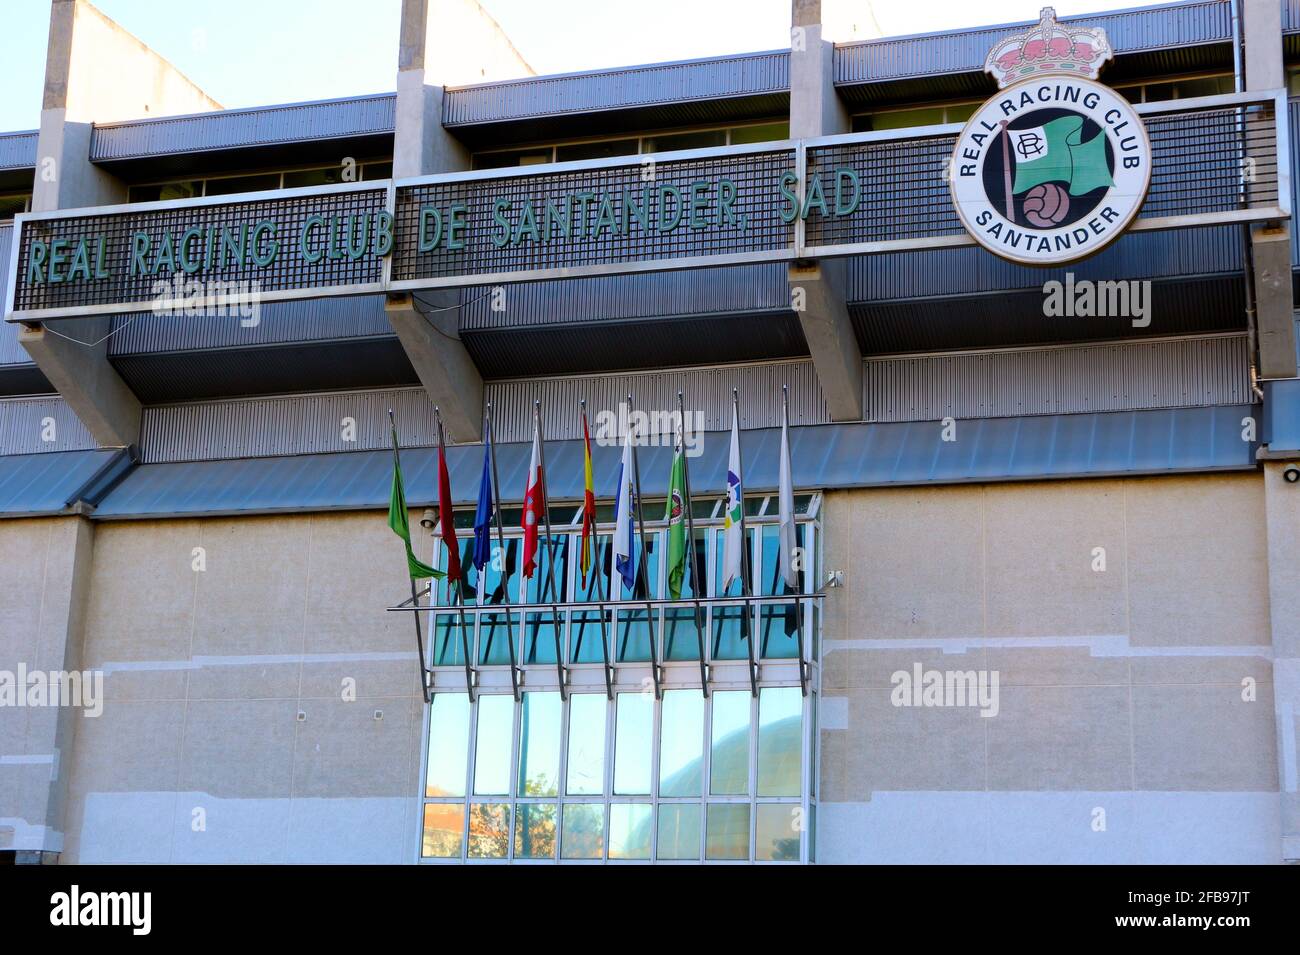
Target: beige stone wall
<point>1120,691</point>
<point>199,755</point>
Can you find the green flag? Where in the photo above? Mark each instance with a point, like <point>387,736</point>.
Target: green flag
<point>675,515</point>
<point>399,520</point>
<point>1054,152</point>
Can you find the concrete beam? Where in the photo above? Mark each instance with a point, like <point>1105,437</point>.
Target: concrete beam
<point>817,288</point>
<point>85,46</point>
<point>441,43</point>
<point>1270,242</point>
<point>428,333</point>
<point>828,329</point>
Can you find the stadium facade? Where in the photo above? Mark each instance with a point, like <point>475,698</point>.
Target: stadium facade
<point>1044,424</point>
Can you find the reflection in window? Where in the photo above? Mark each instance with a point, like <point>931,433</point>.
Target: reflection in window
<point>496,634</point>
<point>634,625</point>
<point>679,831</point>
<point>584,831</point>
<point>777,837</point>
<point>729,748</point>
<point>448,745</point>
<point>681,636</point>
<point>727,831</point>
<point>496,719</point>
<point>778,624</point>
<point>444,824</point>
<point>586,772</point>
<point>535,830</point>
<point>729,630</point>
<point>539,750</point>
<point>681,745</point>
<point>629,830</point>
<point>489,830</point>
<point>449,638</point>
<point>780,719</point>
<point>633,740</point>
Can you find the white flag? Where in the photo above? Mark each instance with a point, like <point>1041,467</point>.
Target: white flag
<point>733,544</point>
<point>623,568</point>
<point>785,497</point>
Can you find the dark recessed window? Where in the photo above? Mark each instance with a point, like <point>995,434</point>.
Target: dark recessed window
<point>165,190</point>
<point>762,133</point>
<point>699,139</point>
<point>601,150</point>
<point>514,157</point>
<point>233,184</point>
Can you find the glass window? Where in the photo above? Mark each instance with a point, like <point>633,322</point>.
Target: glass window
<point>535,830</point>
<point>629,830</point>
<point>10,206</point>
<point>539,749</point>
<point>449,637</point>
<point>778,624</point>
<point>727,831</point>
<point>1205,86</point>
<point>633,633</point>
<point>780,719</point>
<point>586,771</point>
<point>325,176</point>
<point>489,830</point>
<point>584,831</point>
<point>444,824</point>
<point>729,746</point>
<point>232,184</point>
<point>633,743</point>
<point>961,112</point>
<point>729,631</point>
<point>762,133</point>
<point>165,191</point>
<point>496,635</point>
<point>777,836</point>
<point>501,575</point>
<point>681,637</point>
<point>496,721</point>
<point>679,831</point>
<point>698,139</point>
<point>448,745</point>
<point>681,743</point>
<point>904,118</point>
<point>514,157</point>
<point>587,630</point>
<point>599,150</point>
<point>377,170</point>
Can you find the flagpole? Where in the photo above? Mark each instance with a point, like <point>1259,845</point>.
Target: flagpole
<point>415,599</point>
<point>641,569</point>
<point>747,628</point>
<point>460,581</point>
<point>690,549</point>
<point>560,670</point>
<point>798,604</point>
<point>596,582</point>
<point>501,547</point>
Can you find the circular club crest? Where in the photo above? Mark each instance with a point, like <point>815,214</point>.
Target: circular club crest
<point>1050,170</point>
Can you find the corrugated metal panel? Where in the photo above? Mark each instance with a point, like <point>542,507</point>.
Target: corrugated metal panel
<point>1173,26</point>
<point>18,150</point>
<point>33,484</point>
<point>629,87</point>
<point>822,456</point>
<point>293,424</point>
<point>1121,376</point>
<point>25,423</point>
<point>972,270</point>
<point>304,320</point>
<point>1293,118</point>
<point>1290,16</point>
<point>11,353</point>
<point>1181,307</point>
<point>226,129</point>
<point>707,391</point>
<point>729,291</point>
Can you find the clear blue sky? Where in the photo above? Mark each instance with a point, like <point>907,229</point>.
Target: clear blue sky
<point>251,52</point>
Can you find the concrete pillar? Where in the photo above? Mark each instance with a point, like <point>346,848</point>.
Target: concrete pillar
<point>1270,242</point>
<point>817,288</point>
<point>1282,521</point>
<point>84,48</point>
<point>50,563</point>
<point>442,43</point>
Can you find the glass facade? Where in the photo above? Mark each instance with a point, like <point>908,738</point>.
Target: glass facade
<point>581,777</point>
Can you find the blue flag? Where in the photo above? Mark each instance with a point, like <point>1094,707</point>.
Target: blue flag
<point>624,555</point>
<point>483,515</point>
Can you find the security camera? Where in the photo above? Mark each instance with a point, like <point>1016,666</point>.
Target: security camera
<point>1291,474</point>
<point>428,518</point>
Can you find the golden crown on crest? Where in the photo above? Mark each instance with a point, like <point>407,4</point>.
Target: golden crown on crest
<point>1049,47</point>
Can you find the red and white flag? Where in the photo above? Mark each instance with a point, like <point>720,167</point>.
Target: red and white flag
<point>532,516</point>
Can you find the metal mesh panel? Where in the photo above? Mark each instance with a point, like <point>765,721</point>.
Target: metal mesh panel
<point>289,269</point>
<point>1197,168</point>
<point>757,207</point>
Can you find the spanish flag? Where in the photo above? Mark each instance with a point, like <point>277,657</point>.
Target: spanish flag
<point>586,557</point>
